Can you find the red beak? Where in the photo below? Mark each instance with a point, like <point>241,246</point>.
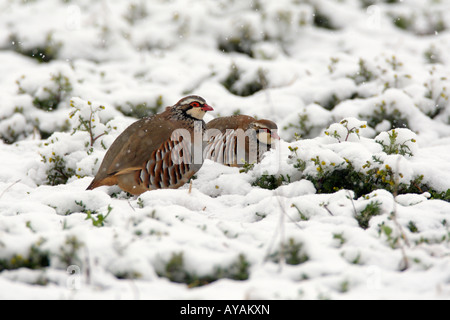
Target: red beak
<point>207,108</point>
<point>274,134</point>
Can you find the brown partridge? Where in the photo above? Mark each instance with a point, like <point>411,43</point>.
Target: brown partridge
<point>239,139</point>
<point>158,151</point>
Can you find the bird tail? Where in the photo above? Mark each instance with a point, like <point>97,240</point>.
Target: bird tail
<point>94,184</point>
<point>108,181</point>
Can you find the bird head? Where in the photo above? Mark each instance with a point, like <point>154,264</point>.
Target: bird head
<point>266,131</point>
<point>193,106</point>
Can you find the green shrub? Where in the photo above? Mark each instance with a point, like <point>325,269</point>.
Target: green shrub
<point>15,126</point>
<point>47,52</point>
<point>444,195</point>
<point>61,90</point>
<point>175,271</point>
<point>346,129</point>
<point>141,110</point>
<point>374,174</point>
<point>87,124</point>
<point>433,18</point>
<point>232,84</point>
<point>270,181</point>
<point>364,74</point>
<point>372,209</point>
<point>368,3</point>
<point>304,126</point>
<point>60,165</point>
<point>396,147</point>
<point>412,227</point>
<point>389,112</point>
<point>57,170</point>
<point>241,42</point>
<point>136,12</point>
<point>292,252</point>
<point>68,252</point>
<point>53,93</point>
<point>35,259</point>
<point>436,93</point>
<point>47,95</point>
<point>321,20</point>
<point>98,219</point>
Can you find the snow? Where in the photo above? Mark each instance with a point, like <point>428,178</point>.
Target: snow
<point>321,84</point>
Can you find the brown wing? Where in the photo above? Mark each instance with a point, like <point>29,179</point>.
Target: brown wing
<point>169,166</point>
<point>132,149</point>
<point>226,148</point>
<point>230,143</point>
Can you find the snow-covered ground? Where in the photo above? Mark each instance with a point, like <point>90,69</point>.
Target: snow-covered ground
<point>355,209</point>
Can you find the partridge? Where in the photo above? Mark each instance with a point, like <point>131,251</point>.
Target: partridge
<point>239,139</point>
<point>158,151</point>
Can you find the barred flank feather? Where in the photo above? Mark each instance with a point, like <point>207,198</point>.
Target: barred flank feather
<point>234,140</point>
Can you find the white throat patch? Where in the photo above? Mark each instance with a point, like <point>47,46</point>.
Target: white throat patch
<point>196,113</point>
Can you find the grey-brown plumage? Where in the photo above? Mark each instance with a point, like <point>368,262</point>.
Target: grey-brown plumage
<point>239,139</point>
<point>157,151</point>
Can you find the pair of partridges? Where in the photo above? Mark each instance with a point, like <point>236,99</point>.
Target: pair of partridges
<point>165,150</point>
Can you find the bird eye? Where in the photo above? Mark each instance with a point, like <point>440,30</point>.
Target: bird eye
<point>195,104</point>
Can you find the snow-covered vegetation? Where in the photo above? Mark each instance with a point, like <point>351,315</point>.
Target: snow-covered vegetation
<point>352,204</point>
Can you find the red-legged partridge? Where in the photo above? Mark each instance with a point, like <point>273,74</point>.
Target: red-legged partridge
<point>157,151</point>
<point>239,139</point>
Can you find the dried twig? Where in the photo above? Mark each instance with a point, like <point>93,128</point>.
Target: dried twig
<point>353,204</point>
<point>280,230</point>
<point>9,187</point>
<point>397,224</point>
<point>190,187</point>
<point>325,205</point>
